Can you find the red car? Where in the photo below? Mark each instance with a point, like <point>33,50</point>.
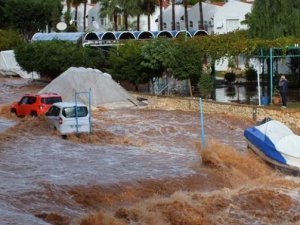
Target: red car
<point>34,104</point>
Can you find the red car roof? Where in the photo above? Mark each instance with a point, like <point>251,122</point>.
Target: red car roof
<point>44,95</point>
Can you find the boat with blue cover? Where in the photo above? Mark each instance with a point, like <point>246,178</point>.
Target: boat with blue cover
<point>275,143</point>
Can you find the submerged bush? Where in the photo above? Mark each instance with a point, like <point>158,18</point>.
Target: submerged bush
<point>251,74</point>
<point>230,77</point>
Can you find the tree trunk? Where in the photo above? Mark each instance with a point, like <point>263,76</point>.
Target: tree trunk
<point>148,15</point>
<point>115,22</point>
<point>126,21</point>
<point>186,17</point>
<point>75,16</point>
<point>201,15</point>
<point>161,22</point>
<point>190,88</point>
<point>138,17</point>
<point>173,15</point>
<point>84,16</point>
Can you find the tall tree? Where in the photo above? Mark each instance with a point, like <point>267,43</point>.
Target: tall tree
<point>271,19</point>
<point>35,15</point>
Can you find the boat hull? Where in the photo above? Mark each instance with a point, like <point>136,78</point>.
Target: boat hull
<point>262,155</point>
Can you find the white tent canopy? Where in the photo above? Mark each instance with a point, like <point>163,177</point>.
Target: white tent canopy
<point>10,67</point>
<point>104,90</point>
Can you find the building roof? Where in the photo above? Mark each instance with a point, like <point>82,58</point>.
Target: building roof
<point>74,37</point>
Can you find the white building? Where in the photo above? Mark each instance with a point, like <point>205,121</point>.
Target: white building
<point>94,22</point>
<point>230,16</point>
<point>97,23</point>
<point>80,12</point>
<point>167,18</point>
<point>208,10</point>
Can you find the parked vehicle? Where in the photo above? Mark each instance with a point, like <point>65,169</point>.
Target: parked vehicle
<point>69,117</point>
<point>34,104</point>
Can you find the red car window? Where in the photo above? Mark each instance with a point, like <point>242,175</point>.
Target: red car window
<point>24,100</point>
<point>31,100</point>
<point>51,100</point>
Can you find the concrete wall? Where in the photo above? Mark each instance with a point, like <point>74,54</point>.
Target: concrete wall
<point>290,117</point>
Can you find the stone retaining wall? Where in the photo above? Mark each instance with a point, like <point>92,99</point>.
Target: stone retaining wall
<point>290,117</point>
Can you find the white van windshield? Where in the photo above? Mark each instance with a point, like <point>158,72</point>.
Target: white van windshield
<point>70,112</point>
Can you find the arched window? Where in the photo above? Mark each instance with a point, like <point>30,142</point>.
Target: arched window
<point>165,26</point>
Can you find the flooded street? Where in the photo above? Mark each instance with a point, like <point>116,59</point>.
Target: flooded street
<point>132,156</point>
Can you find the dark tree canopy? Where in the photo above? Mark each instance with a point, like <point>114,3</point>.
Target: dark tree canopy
<point>272,19</point>
<point>2,18</point>
<point>31,16</point>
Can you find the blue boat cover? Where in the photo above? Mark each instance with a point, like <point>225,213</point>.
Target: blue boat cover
<point>264,144</point>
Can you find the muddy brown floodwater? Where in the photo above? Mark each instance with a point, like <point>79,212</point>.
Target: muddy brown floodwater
<point>139,166</point>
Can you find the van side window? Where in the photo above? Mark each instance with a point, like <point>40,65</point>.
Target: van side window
<point>70,112</point>
<point>53,111</point>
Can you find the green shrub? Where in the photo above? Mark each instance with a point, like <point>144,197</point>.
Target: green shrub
<point>9,39</point>
<point>251,74</point>
<point>206,85</point>
<point>230,77</point>
<point>51,58</point>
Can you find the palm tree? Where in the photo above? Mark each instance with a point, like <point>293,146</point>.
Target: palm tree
<point>75,4</point>
<point>111,7</point>
<point>129,8</point>
<point>148,8</point>
<point>67,14</point>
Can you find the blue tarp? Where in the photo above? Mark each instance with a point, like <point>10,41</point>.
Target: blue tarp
<point>264,144</point>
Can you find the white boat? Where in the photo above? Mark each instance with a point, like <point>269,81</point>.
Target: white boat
<point>275,143</point>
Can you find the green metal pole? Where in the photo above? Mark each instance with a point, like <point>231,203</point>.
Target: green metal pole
<point>271,75</point>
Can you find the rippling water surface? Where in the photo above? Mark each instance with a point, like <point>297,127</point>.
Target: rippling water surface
<point>46,179</point>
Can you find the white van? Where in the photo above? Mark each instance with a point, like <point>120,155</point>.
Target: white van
<point>67,118</point>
